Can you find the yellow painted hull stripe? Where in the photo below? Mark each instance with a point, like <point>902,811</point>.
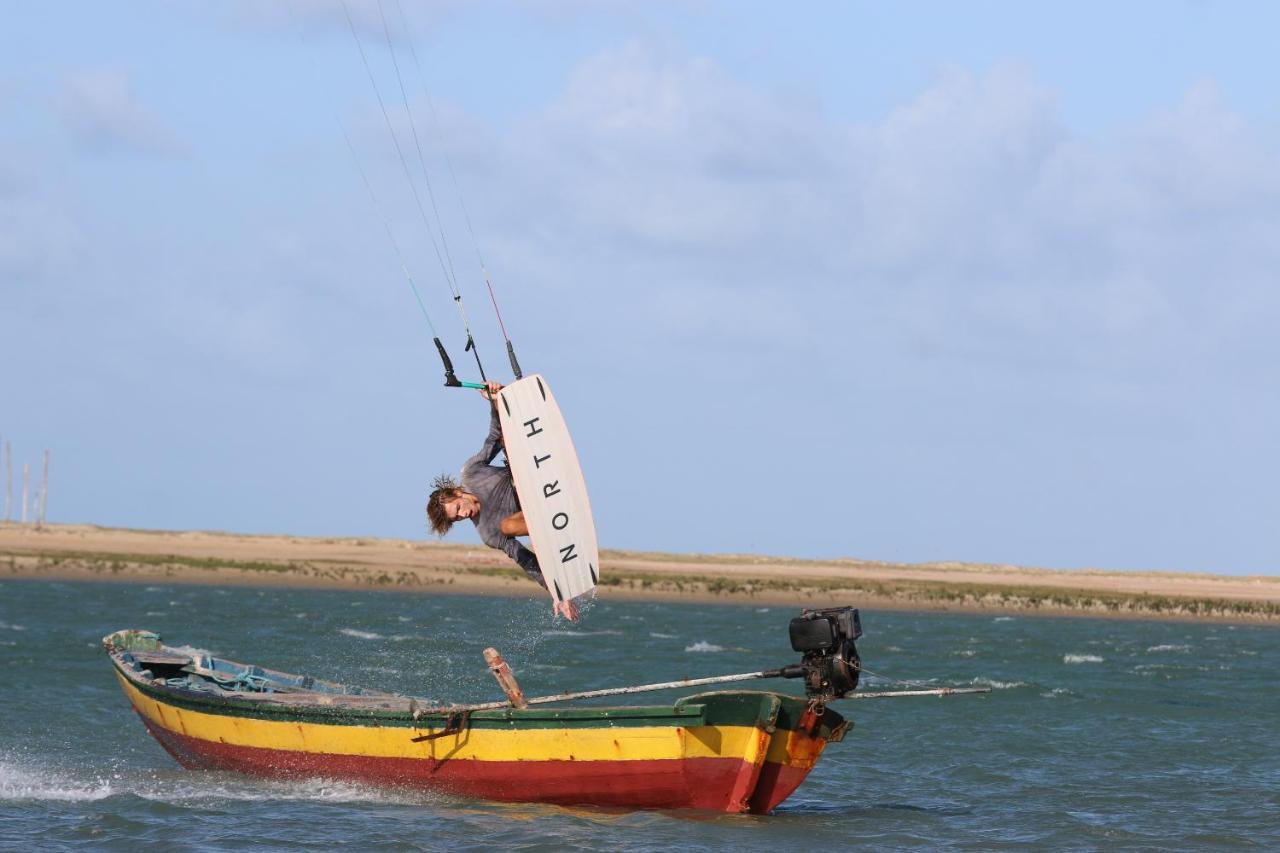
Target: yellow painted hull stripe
<point>569,744</point>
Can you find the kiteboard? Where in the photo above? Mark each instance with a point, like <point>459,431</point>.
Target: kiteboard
<point>548,480</point>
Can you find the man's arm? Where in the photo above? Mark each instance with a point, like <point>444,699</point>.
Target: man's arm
<point>514,525</point>
<point>493,441</point>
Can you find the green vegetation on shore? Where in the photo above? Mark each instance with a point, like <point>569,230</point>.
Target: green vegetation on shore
<point>905,594</point>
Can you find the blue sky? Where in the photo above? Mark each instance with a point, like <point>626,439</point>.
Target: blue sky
<point>987,282</point>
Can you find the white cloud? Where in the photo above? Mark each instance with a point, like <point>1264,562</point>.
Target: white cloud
<point>971,217</point>
<point>103,114</point>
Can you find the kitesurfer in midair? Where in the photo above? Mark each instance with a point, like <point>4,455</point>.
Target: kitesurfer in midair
<point>488,497</point>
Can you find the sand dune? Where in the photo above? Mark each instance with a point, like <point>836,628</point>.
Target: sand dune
<point>90,552</point>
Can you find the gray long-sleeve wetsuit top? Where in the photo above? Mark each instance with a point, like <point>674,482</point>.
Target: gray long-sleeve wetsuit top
<point>492,484</point>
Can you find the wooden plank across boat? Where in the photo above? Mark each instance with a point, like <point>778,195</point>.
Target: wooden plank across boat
<point>732,751</point>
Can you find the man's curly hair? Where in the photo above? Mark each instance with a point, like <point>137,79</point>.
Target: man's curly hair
<point>445,488</point>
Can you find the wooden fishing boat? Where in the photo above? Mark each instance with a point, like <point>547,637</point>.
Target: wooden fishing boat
<point>732,751</point>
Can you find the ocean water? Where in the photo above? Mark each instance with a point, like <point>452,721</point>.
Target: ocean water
<point>1097,734</point>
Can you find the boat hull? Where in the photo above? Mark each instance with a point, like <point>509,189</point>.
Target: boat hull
<point>733,751</point>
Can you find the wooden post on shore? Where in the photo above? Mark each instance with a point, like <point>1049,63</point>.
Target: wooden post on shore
<point>44,490</point>
<point>8,482</point>
<point>26,478</point>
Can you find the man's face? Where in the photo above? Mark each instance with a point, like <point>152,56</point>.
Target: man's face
<point>465,505</point>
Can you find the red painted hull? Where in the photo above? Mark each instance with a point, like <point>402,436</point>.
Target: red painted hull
<point>696,783</point>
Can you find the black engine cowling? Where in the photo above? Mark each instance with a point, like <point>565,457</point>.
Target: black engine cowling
<point>825,638</point>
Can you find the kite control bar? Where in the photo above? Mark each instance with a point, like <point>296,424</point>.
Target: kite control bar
<point>450,380</point>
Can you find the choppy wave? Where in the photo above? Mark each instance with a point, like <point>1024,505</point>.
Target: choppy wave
<point>658,635</point>
<point>363,635</point>
<point>12,627</point>
<point>1168,647</point>
<point>194,651</point>
<point>556,632</point>
<point>1004,619</point>
<point>704,646</point>
<point>997,685</point>
<point>23,783</point>
<point>1082,659</point>
<point>20,782</point>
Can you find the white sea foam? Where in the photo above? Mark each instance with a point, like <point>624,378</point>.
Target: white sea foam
<point>1168,647</point>
<point>1004,619</point>
<point>316,790</point>
<point>194,651</point>
<point>200,791</point>
<point>996,685</point>
<point>363,635</point>
<point>555,632</point>
<point>704,646</point>
<point>658,635</point>
<point>964,653</point>
<point>12,627</point>
<point>23,783</point>
<point>1081,659</point>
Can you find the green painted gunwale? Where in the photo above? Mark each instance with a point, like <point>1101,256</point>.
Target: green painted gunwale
<point>721,708</point>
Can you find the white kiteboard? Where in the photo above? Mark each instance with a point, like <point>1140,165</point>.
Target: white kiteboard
<point>553,494</point>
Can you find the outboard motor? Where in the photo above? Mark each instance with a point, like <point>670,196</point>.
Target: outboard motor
<point>829,664</point>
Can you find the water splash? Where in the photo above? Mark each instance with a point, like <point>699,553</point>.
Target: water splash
<point>1073,658</point>
<point>363,635</point>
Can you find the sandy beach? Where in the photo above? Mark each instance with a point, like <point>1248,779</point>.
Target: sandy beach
<point>80,552</point>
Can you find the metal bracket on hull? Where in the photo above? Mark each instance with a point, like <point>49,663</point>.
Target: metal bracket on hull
<point>454,724</point>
